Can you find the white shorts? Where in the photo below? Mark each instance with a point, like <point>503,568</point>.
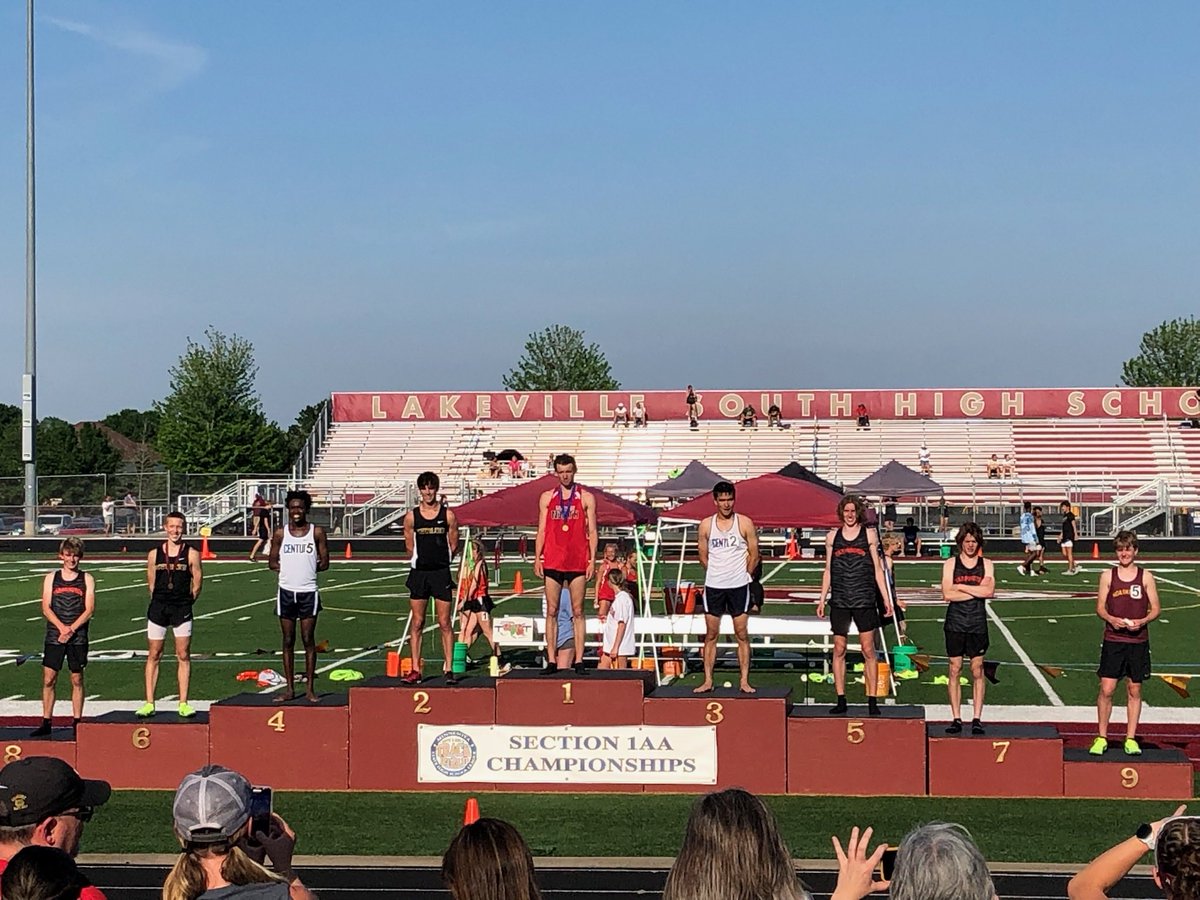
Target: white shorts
<point>159,632</point>
<point>1032,548</point>
<point>1067,545</point>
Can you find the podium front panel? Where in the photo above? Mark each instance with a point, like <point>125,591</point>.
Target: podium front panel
<point>1155,774</point>
<point>857,754</point>
<point>1007,761</point>
<point>129,752</point>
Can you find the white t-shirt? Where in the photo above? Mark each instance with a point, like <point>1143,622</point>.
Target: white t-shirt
<point>621,611</point>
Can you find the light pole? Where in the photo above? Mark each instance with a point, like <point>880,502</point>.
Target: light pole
<point>28,380</point>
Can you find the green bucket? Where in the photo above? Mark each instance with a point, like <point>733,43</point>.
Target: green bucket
<point>902,657</point>
<point>944,551</point>
<point>458,662</point>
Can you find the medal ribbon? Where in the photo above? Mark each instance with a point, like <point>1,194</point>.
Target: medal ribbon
<point>564,509</point>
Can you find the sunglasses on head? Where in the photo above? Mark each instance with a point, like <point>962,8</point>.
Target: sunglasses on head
<point>83,814</point>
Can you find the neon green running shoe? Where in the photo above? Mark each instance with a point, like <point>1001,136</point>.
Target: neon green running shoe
<point>1132,748</point>
<point>1099,745</point>
<point>145,711</point>
<point>186,711</point>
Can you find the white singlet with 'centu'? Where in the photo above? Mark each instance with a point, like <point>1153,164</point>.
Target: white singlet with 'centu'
<point>727,552</point>
<point>298,561</point>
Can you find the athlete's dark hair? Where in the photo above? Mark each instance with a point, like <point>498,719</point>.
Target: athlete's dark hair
<point>1027,505</point>
<point>615,576</point>
<point>1125,539</point>
<point>303,496</point>
<point>1062,503</point>
<point>908,521</point>
<point>723,489</point>
<point>859,506</point>
<point>1177,856</point>
<point>176,514</point>
<point>969,528</point>
<point>564,459</point>
<point>1037,510</point>
<point>489,860</point>
<point>43,872</point>
<point>428,480</point>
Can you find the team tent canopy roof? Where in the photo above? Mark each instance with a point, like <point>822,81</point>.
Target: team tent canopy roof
<point>795,470</point>
<point>694,480</point>
<point>518,505</point>
<point>896,480</point>
<point>773,501</point>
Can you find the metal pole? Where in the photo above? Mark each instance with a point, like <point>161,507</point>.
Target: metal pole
<point>28,391</point>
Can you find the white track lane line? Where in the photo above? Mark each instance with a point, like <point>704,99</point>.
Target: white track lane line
<point>1029,664</point>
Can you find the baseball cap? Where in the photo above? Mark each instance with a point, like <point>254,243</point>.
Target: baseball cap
<point>211,805</point>
<point>39,787</point>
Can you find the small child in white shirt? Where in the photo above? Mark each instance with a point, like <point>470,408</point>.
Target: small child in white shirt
<point>619,642</point>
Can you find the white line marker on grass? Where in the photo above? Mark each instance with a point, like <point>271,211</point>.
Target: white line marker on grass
<point>1033,670</point>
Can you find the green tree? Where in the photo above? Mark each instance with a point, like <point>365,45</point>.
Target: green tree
<point>212,421</point>
<point>137,425</point>
<point>299,430</point>
<point>1169,356</point>
<point>10,441</point>
<point>557,359</point>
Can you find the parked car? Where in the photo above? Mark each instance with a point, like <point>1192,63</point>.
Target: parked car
<point>84,525</point>
<point>53,523</point>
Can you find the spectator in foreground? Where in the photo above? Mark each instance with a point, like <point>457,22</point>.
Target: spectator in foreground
<point>489,860</point>
<point>44,873</point>
<point>937,861</point>
<point>44,803</point>
<point>1176,845</point>
<point>220,857</point>
<point>732,849</point>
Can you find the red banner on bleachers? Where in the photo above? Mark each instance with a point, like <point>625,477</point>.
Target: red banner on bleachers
<point>956,403</point>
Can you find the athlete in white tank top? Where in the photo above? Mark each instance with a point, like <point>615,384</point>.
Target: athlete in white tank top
<point>298,561</point>
<point>727,552</point>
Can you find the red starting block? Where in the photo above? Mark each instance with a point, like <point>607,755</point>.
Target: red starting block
<point>15,743</point>
<point>1153,775</point>
<point>747,725</point>
<point>129,752</point>
<point>856,754</point>
<point>384,715</point>
<point>1007,761</point>
<point>601,697</point>
<point>294,746</point>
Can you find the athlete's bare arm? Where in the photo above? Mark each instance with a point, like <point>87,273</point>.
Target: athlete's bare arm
<point>452,531</point>
<point>322,548</point>
<point>197,570</point>
<point>150,572</point>
<point>702,541</point>
<point>47,593</point>
<point>750,535</point>
<point>880,575</point>
<point>540,541</point>
<point>1102,599</point>
<point>825,576</point>
<point>410,536</point>
<point>273,553</point>
<point>952,592</point>
<point>593,537</point>
<point>89,602</point>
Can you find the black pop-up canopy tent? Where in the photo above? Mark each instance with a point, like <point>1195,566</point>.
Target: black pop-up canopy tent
<point>896,480</point>
<point>694,480</point>
<point>795,470</point>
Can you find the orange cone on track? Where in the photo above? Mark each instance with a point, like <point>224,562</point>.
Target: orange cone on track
<point>205,553</point>
<point>349,552</point>
<point>1095,551</point>
<point>793,551</point>
<point>471,813</point>
<point>518,583</point>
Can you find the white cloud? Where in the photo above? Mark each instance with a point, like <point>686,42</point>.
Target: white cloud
<point>177,62</point>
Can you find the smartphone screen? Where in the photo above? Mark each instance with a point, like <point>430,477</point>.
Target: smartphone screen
<point>887,864</point>
<point>260,809</point>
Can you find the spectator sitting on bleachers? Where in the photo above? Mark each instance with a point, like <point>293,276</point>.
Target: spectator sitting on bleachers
<point>912,538</point>
<point>774,416</point>
<point>994,467</point>
<point>55,803</point>
<point>732,849</point>
<point>620,416</point>
<point>938,861</point>
<point>748,417</point>
<point>218,859</point>
<point>1176,845</point>
<point>1010,465</point>
<point>924,461</point>
<point>489,860</point>
<point>639,415</point>
<point>44,873</point>
<point>864,420</point>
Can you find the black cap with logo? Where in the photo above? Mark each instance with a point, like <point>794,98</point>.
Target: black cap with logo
<point>39,787</point>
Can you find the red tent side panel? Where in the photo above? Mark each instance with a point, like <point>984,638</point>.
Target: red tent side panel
<point>772,501</point>
<point>518,505</point>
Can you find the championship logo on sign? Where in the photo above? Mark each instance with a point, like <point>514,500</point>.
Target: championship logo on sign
<point>453,753</point>
<point>1135,591</point>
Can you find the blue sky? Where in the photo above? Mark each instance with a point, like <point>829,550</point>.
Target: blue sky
<point>391,196</point>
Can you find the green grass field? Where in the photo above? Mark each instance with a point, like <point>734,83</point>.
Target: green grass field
<point>1049,621</point>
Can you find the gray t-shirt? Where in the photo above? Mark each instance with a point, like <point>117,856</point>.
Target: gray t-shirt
<point>272,891</point>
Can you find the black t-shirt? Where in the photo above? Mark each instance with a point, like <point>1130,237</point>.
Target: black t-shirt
<point>969,616</point>
<point>1068,527</point>
<point>910,534</point>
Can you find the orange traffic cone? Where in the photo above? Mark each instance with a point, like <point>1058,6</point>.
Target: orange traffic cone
<point>205,553</point>
<point>793,551</point>
<point>518,583</point>
<point>1095,551</point>
<point>349,552</point>
<point>471,813</point>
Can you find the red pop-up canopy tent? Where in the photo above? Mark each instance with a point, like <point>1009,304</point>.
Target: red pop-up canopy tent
<point>518,505</point>
<point>772,501</point>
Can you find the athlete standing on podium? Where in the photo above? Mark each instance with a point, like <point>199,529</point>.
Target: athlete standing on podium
<point>968,580</point>
<point>298,552</point>
<point>431,537</point>
<point>853,572</point>
<point>564,554</point>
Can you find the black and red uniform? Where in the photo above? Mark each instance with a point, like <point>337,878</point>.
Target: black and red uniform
<point>966,620</point>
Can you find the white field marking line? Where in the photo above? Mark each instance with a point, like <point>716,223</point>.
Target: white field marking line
<point>1033,670</point>
<point>396,643</point>
<point>120,587</point>
<point>1178,584</point>
<point>210,615</point>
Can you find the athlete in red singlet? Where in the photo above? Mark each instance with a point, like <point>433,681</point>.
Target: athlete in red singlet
<point>564,553</point>
<point>605,593</point>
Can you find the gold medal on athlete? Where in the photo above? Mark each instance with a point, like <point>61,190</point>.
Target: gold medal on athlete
<point>566,527</point>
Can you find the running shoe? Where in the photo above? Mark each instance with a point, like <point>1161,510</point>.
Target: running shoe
<point>1021,570</point>
<point>451,678</point>
<point>145,711</point>
<point>186,710</point>
<point>413,677</point>
<point>1099,745</point>
<point>41,731</point>
<point>976,727</point>
<point>954,727</point>
<point>1132,748</point>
